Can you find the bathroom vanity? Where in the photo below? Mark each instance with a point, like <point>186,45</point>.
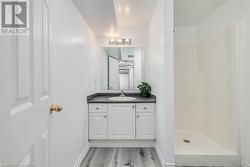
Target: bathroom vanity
<point>121,118</point>
<point>118,119</point>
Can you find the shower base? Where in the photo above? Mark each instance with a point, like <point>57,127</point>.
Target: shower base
<point>196,149</point>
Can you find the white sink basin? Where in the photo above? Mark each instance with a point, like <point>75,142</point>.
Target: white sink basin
<point>122,98</point>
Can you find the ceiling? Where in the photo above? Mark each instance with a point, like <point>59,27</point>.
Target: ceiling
<point>192,12</point>
<point>134,13</point>
<point>107,17</point>
<point>99,14</point>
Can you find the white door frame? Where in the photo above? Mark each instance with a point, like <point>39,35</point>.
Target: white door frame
<point>1,102</point>
<point>242,99</point>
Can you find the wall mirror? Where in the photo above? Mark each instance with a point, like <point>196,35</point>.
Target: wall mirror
<point>121,67</point>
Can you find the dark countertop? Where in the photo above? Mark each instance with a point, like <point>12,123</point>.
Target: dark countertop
<point>104,98</point>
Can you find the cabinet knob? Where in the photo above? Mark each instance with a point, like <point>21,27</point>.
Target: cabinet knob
<point>97,108</point>
<point>145,108</point>
<point>105,116</point>
<point>133,106</point>
<point>138,116</point>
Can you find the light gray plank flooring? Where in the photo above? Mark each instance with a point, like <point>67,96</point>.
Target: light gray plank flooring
<point>121,157</point>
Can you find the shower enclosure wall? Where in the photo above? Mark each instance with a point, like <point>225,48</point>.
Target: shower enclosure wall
<point>207,125</point>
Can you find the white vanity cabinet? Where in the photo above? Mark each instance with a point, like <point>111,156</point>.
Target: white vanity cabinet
<point>122,121</point>
<point>98,121</point>
<point>98,125</point>
<point>145,121</point>
<point>145,126</point>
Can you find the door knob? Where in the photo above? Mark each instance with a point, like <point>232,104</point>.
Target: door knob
<point>55,108</point>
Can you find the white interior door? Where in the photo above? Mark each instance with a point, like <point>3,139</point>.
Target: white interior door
<point>26,92</point>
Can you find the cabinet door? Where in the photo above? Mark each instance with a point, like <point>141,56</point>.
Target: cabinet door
<point>121,121</point>
<point>145,126</point>
<point>97,125</point>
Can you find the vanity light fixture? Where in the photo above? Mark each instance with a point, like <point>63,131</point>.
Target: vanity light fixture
<point>120,41</point>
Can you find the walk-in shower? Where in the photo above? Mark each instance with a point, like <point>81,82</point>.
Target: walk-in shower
<point>207,127</point>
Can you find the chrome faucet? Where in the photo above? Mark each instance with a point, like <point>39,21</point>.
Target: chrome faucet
<point>122,94</point>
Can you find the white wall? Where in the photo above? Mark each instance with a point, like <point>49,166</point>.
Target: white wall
<point>189,84</point>
<point>159,73</point>
<point>235,12</point>
<point>168,122</point>
<point>74,78</point>
<point>227,15</point>
<point>219,115</point>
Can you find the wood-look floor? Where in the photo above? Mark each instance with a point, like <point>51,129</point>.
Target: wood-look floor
<point>121,157</point>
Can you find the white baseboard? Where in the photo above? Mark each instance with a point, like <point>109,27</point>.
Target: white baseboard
<point>82,155</point>
<point>207,160</point>
<point>121,143</point>
<point>163,162</point>
<point>169,165</point>
<point>159,154</point>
